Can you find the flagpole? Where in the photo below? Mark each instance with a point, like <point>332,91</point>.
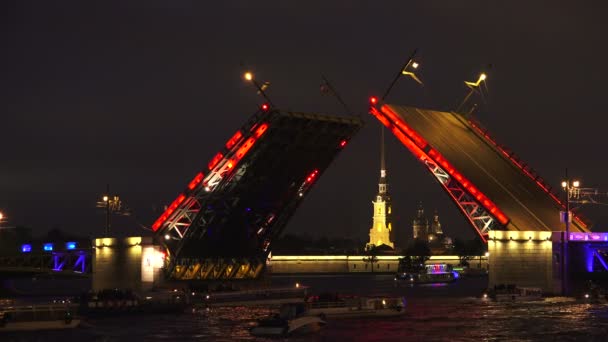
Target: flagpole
<point>337,96</point>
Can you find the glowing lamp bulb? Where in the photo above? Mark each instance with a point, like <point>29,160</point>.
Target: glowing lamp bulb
<point>265,107</point>
<point>564,184</point>
<point>415,65</point>
<point>248,76</point>
<point>576,184</point>
<point>373,100</point>
<point>297,285</point>
<point>105,198</point>
<point>1,216</point>
<point>167,236</point>
<point>482,77</point>
<point>342,143</point>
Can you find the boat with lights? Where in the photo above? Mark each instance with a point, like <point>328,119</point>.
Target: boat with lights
<point>433,274</point>
<point>291,319</point>
<point>332,306</point>
<point>116,302</point>
<point>513,293</point>
<point>253,297</point>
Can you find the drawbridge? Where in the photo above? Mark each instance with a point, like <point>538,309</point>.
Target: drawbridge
<point>221,226</point>
<point>490,185</point>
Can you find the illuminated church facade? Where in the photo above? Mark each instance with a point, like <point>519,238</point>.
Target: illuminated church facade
<point>381,232</point>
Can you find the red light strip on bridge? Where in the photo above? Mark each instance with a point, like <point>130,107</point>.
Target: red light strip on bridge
<point>419,140</point>
<point>196,181</point>
<point>438,158</point>
<point>216,159</point>
<point>168,212</point>
<point>261,129</point>
<point>468,185</point>
<point>234,140</point>
<point>522,166</point>
<point>312,176</point>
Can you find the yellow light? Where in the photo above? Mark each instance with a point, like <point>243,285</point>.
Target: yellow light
<point>248,76</point>
<point>105,198</point>
<point>576,184</point>
<point>167,236</point>
<point>564,184</point>
<point>415,65</point>
<point>1,216</point>
<point>297,285</point>
<point>487,254</point>
<point>482,77</point>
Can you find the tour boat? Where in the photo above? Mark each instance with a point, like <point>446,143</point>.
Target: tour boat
<point>254,297</point>
<point>113,302</point>
<point>355,307</point>
<point>291,319</point>
<point>512,293</point>
<point>37,317</point>
<point>434,273</point>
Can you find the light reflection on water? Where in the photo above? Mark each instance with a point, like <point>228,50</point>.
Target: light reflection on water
<point>447,313</point>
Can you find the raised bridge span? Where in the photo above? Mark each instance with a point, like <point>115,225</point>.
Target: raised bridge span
<point>491,186</point>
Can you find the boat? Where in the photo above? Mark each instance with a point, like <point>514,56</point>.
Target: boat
<point>254,297</point>
<point>291,319</point>
<point>512,293</point>
<point>38,317</point>
<point>112,302</point>
<point>433,273</point>
<point>355,307</point>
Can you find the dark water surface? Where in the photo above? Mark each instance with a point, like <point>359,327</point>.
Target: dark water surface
<point>434,313</point>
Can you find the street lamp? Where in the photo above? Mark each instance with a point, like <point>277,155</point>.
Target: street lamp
<point>473,86</point>
<point>248,76</point>
<point>568,186</point>
<point>413,65</point>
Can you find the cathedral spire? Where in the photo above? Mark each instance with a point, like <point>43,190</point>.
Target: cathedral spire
<point>382,162</point>
<point>382,184</point>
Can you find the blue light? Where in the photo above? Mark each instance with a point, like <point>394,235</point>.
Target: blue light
<point>26,248</point>
<point>48,247</point>
<point>70,245</point>
<point>456,275</point>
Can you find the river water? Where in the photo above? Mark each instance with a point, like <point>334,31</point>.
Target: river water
<point>434,313</point>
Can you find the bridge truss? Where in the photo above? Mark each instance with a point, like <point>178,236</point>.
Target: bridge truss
<point>222,225</point>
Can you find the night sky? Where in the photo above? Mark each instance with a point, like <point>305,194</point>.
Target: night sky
<point>141,95</point>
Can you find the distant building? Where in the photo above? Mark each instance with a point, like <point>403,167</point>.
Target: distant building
<point>381,232</point>
<point>430,232</point>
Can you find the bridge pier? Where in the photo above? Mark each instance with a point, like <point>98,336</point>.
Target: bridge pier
<point>526,259</point>
<point>133,263</point>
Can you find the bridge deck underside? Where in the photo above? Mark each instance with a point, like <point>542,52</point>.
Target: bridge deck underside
<point>242,217</point>
<point>526,205</point>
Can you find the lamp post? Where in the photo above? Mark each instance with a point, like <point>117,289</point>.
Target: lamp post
<point>249,77</point>
<point>106,200</point>
<point>473,86</point>
<point>568,186</point>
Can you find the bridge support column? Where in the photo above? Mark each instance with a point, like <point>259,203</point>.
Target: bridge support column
<point>525,259</point>
<point>133,263</point>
